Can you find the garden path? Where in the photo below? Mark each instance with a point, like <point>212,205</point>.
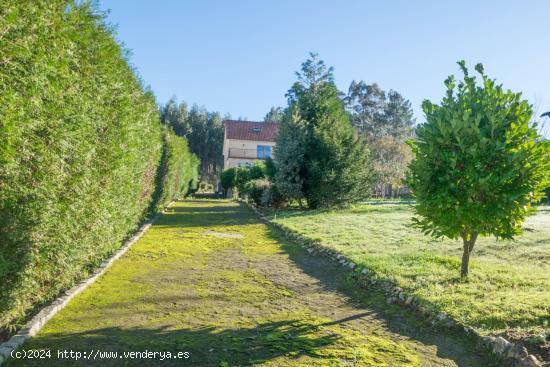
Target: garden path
<point>209,278</point>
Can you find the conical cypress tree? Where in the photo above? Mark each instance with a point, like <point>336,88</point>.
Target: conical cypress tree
<point>330,163</point>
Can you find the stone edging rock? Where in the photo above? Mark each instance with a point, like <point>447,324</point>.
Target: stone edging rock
<point>515,354</point>
<point>32,327</point>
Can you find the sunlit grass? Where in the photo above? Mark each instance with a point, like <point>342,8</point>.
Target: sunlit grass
<point>509,283</point>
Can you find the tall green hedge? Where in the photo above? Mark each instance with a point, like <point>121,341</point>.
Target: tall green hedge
<point>178,172</point>
<point>80,146</point>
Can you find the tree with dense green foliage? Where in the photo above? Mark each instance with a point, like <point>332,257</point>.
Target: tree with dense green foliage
<point>176,116</point>
<point>478,164</point>
<point>378,113</point>
<point>81,143</point>
<point>204,132</point>
<point>385,120</point>
<point>318,154</point>
<point>275,114</point>
<point>290,152</point>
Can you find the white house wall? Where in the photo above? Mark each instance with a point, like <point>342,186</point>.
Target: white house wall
<point>241,144</point>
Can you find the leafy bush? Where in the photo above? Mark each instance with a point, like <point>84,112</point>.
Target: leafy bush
<point>254,189</point>
<point>273,197</point>
<point>479,164</point>
<point>256,170</point>
<point>244,174</point>
<point>255,183</point>
<point>241,178</point>
<point>81,143</point>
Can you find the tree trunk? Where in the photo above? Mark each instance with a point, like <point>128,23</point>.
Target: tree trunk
<point>469,240</point>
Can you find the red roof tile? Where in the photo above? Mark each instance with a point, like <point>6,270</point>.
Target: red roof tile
<point>251,130</point>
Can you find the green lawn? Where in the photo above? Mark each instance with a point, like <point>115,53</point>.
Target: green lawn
<point>509,285</point>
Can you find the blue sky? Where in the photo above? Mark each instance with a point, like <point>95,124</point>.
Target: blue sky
<point>239,57</point>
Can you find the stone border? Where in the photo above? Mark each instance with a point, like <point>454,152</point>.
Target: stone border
<point>32,327</point>
<point>515,354</point>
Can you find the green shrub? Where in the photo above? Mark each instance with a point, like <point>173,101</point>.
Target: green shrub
<point>244,174</point>
<point>478,164</point>
<point>80,145</point>
<point>241,178</point>
<point>254,189</point>
<point>256,170</point>
<point>255,183</point>
<point>273,197</point>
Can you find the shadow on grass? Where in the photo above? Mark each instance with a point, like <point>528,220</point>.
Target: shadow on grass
<point>450,344</point>
<point>206,346</point>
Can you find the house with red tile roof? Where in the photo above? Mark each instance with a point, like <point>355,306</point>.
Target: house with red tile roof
<point>247,141</point>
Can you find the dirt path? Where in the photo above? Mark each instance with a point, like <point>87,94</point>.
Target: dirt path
<point>210,279</point>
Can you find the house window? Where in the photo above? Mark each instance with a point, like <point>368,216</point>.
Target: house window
<point>263,151</point>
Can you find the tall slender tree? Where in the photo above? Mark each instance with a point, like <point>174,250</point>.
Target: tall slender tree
<point>385,120</point>
<point>366,104</point>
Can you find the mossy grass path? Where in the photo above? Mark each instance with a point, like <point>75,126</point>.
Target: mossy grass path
<point>210,279</point>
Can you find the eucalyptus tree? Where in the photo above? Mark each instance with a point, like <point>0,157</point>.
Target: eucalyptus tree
<point>385,120</point>
<point>203,130</point>
<point>377,113</point>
